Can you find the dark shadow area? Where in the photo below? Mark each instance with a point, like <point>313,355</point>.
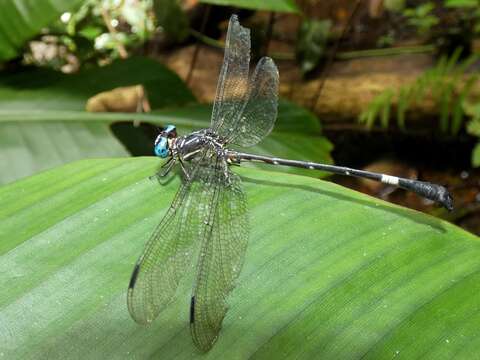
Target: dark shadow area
<point>137,139</point>
<point>423,150</point>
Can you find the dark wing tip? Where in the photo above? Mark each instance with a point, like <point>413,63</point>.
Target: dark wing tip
<point>133,278</point>
<point>192,310</point>
<point>204,335</point>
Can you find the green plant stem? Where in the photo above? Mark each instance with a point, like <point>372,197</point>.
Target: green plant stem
<point>206,15</point>
<point>393,51</point>
<point>207,40</point>
<point>344,55</point>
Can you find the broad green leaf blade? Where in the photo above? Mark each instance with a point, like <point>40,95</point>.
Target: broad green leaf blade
<point>293,146</point>
<point>290,118</point>
<point>20,20</point>
<point>43,89</point>
<point>28,147</point>
<point>43,122</point>
<point>329,273</point>
<point>287,6</point>
<point>294,136</point>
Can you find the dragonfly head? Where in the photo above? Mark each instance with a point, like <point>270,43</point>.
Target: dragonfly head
<point>162,143</point>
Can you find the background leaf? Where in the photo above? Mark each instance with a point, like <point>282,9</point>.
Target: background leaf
<point>312,43</point>
<point>20,20</point>
<point>476,155</point>
<point>172,19</point>
<point>270,5</point>
<point>329,272</point>
<point>54,103</point>
<point>48,89</point>
<point>43,122</point>
<point>28,147</point>
<point>461,3</point>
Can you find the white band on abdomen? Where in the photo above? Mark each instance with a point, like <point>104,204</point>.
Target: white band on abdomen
<point>387,179</point>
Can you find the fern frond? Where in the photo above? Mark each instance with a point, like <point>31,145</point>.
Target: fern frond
<point>445,105</point>
<point>440,84</point>
<point>385,116</point>
<point>404,97</point>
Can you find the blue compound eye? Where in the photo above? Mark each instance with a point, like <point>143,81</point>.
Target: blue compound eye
<point>161,147</point>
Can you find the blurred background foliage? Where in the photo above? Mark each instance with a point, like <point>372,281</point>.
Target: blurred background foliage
<point>385,85</point>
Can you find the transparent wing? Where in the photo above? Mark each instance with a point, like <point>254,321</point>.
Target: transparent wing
<point>169,252</point>
<point>244,112</point>
<point>259,113</point>
<point>221,256</point>
<point>233,79</point>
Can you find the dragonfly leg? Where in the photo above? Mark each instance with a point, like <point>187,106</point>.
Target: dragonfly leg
<point>224,161</point>
<point>225,171</point>
<point>184,169</point>
<point>165,169</point>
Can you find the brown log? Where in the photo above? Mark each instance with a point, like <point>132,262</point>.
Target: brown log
<point>350,86</point>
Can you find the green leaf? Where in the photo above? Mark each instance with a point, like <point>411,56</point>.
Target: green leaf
<point>461,3</point>
<point>445,104</point>
<point>48,89</point>
<point>378,107</point>
<point>287,6</point>
<point>394,5</point>
<point>39,130</point>
<point>50,101</point>
<point>404,97</point>
<point>329,273</point>
<point>473,126</point>
<point>28,147</point>
<point>457,115</point>
<point>90,32</point>
<point>21,20</point>
<point>385,111</point>
<point>290,118</point>
<point>172,19</point>
<point>459,105</point>
<point>440,82</point>
<point>311,43</point>
<point>453,60</point>
<point>296,136</point>
<point>476,155</point>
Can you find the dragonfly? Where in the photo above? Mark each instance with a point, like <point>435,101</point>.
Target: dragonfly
<point>206,227</point>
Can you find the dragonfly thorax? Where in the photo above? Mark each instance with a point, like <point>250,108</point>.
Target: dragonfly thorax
<point>190,145</point>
